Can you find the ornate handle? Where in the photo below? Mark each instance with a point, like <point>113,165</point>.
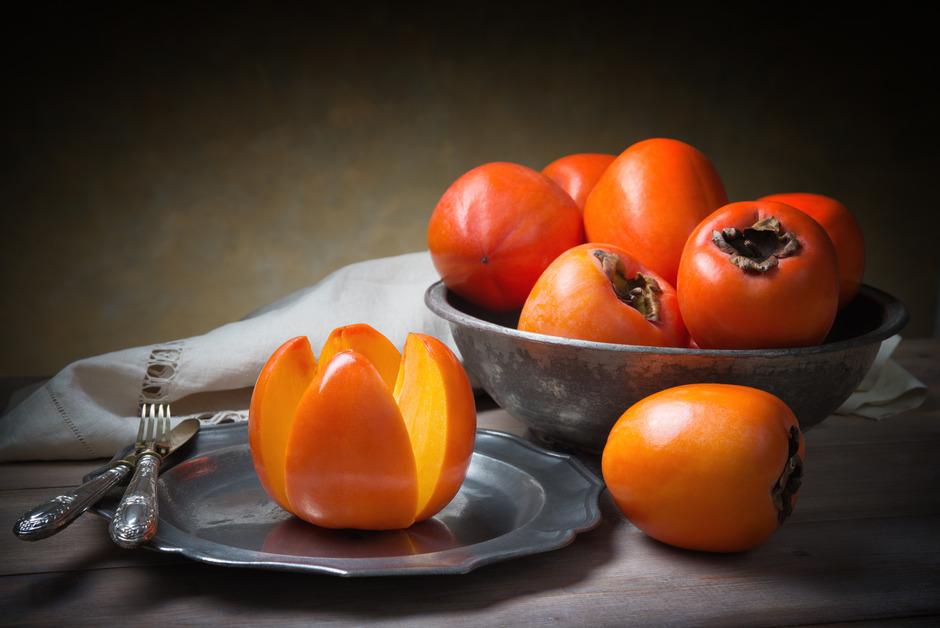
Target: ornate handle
<point>135,520</point>
<point>57,513</point>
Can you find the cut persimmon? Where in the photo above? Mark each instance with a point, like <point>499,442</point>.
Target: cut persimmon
<point>360,445</point>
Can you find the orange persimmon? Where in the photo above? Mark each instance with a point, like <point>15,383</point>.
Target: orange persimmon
<point>650,199</point>
<point>711,467</point>
<point>599,292</point>
<point>360,440</point>
<point>758,275</point>
<point>496,229</point>
<point>578,174</point>
<point>843,230</point>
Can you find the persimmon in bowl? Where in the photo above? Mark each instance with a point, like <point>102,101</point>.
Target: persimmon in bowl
<point>571,391</point>
<point>365,437</point>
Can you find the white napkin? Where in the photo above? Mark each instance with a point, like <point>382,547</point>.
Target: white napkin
<point>887,389</point>
<point>88,409</point>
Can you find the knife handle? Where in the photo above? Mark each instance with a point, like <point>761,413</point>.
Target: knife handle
<point>57,513</point>
<point>135,520</point>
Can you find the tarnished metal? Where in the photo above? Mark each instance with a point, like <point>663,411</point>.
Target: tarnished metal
<point>572,391</point>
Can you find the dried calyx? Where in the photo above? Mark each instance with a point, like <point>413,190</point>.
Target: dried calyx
<point>641,292</point>
<point>786,486</point>
<point>759,247</point>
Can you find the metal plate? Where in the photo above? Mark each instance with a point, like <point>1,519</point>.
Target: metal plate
<point>517,499</point>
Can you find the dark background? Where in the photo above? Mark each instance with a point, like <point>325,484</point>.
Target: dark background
<point>171,169</point>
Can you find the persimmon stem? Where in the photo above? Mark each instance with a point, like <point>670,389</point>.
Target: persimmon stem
<point>759,247</point>
<point>641,292</point>
<point>786,486</point>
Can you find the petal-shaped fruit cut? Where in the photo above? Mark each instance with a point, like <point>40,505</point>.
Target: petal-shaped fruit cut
<point>349,458</point>
<point>436,402</point>
<point>282,382</point>
<point>365,340</point>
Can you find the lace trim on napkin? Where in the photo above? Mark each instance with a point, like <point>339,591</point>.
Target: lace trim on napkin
<point>162,366</point>
<point>161,369</point>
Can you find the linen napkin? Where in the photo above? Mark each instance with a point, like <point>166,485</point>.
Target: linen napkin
<point>887,389</point>
<point>88,410</point>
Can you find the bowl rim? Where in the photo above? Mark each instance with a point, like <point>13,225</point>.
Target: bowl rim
<point>895,318</point>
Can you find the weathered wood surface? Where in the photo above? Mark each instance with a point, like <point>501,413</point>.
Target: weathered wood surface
<point>863,546</point>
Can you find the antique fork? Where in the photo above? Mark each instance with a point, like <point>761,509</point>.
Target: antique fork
<point>135,520</point>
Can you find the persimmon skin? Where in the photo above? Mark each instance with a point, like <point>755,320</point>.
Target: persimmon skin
<point>349,460</point>
<point>577,174</point>
<point>495,230</point>
<point>792,305</point>
<point>844,231</point>
<point>694,466</point>
<point>574,298</point>
<point>650,199</point>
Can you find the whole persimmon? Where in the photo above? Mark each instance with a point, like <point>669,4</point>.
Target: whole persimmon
<point>650,199</point>
<point>843,230</point>
<point>711,467</point>
<point>598,292</point>
<point>757,275</point>
<point>496,229</point>
<point>578,174</point>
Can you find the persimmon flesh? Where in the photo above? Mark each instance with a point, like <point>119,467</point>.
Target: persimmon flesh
<point>359,453</point>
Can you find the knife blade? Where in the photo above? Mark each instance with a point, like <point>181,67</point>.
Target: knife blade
<point>56,514</point>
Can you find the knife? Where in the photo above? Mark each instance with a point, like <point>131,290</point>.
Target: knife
<point>56,514</point>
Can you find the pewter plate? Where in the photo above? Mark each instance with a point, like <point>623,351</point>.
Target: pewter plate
<point>517,499</point>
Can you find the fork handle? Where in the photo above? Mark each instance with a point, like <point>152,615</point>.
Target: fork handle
<point>57,513</point>
<point>135,520</point>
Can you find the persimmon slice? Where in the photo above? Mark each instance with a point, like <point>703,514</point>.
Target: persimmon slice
<point>436,403</point>
<point>349,458</point>
<point>282,382</point>
<point>365,340</point>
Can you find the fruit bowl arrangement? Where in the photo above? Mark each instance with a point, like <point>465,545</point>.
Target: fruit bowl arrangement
<point>572,391</point>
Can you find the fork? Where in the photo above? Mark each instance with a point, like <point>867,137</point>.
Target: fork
<point>135,520</point>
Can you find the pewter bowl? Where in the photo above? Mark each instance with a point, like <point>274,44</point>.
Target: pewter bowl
<point>571,392</point>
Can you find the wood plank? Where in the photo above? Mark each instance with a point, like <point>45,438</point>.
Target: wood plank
<point>811,572</point>
<point>83,545</point>
<point>62,474</point>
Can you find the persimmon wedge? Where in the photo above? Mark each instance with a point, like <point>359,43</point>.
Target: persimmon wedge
<point>359,453</point>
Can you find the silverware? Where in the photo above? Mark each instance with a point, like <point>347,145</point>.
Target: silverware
<point>56,514</point>
<point>135,520</point>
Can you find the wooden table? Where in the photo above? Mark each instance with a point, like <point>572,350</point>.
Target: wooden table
<point>862,546</point>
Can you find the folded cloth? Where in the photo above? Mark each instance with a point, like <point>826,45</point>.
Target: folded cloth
<point>887,389</point>
<point>88,410</point>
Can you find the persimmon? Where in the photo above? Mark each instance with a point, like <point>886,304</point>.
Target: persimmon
<point>712,467</point>
<point>758,274</point>
<point>358,441</point>
<point>599,292</point>
<point>843,230</point>
<point>496,229</point>
<point>650,199</point>
<point>578,174</point>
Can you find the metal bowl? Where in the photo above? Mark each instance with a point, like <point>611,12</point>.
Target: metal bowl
<point>572,391</point>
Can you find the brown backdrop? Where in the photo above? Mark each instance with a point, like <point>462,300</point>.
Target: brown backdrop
<point>171,170</point>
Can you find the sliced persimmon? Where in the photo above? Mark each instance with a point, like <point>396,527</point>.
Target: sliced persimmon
<point>436,402</point>
<point>349,459</point>
<point>282,382</point>
<point>365,340</point>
